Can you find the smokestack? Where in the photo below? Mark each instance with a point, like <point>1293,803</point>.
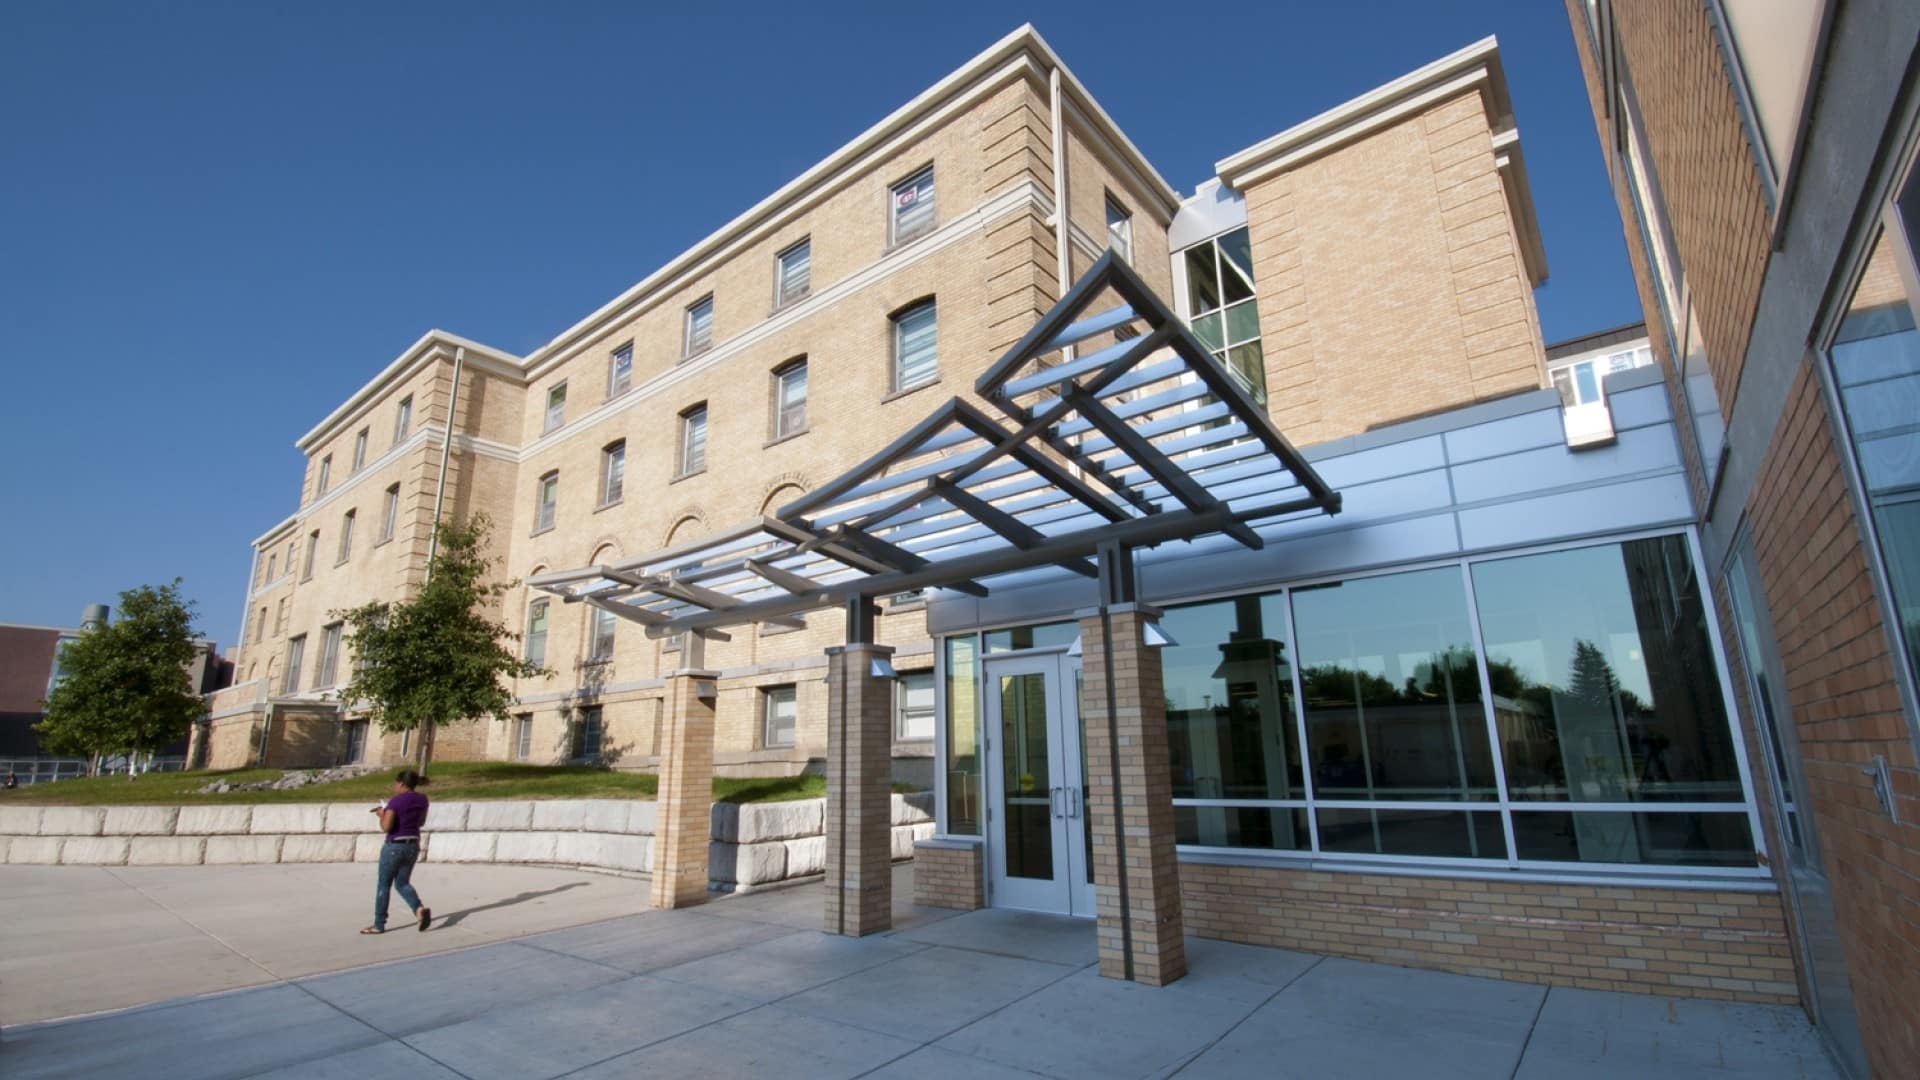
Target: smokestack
<point>94,616</point>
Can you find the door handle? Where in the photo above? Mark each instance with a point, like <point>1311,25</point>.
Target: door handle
<point>1073,802</point>
<point>1053,803</point>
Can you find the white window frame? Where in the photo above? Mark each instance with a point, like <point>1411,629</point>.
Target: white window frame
<point>785,293</point>
<point>346,537</point>
<point>391,517</point>
<point>296,655</point>
<point>539,613</point>
<point>328,674</point>
<point>928,713</point>
<point>556,410</point>
<point>619,382</point>
<point>898,329</point>
<point>522,736</point>
<point>546,511</point>
<point>326,475</point>
<point>402,419</point>
<point>789,417</point>
<point>360,449</point>
<point>770,697</point>
<point>1119,229</point>
<point>693,451</point>
<point>895,236</point>
<point>602,635</point>
<point>313,548</point>
<point>698,335</point>
<point>613,472</point>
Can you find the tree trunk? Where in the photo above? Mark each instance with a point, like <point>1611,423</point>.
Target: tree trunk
<point>426,747</point>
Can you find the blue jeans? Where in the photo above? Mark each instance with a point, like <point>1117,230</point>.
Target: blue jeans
<point>396,873</point>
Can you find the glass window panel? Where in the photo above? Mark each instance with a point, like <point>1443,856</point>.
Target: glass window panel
<point>604,624</point>
<point>549,499</point>
<point>790,408</point>
<point>782,716</point>
<point>295,648</point>
<point>403,419</point>
<point>693,441</point>
<point>1276,828</point>
<point>1563,382</point>
<point>1392,689</point>
<point>1043,636</point>
<point>522,737</point>
<point>916,348</point>
<point>1024,748</point>
<point>1760,691</point>
<point>1236,266</point>
<point>1676,839</point>
<point>1119,230</point>
<point>620,371</point>
<point>963,738</point>
<point>1210,330</point>
<point>556,407</point>
<point>913,206</point>
<point>1249,365</point>
<point>1231,730</point>
<point>1583,377</point>
<point>796,266</point>
<point>1203,280</point>
<point>1604,681</point>
<point>1433,834</point>
<point>537,633</point>
<point>700,326</point>
<point>1243,322</point>
<point>586,733</point>
<point>613,473</point>
<point>915,703</point>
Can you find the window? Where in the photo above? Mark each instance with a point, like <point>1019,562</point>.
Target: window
<point>329,656</point>
<point>913,706</point>
<point>790,399</point>
<point>326,473</point>
<point>280,617</point>
<point>273,567</point>
<point>1119,230</point>
<point>916,347</point>
<point>620,371</point>
<point>537,633</point>
<point>546,502</point>
<point>913,206</point>
<point>313,545</point>
<point>295,647</point>
<point>360,450</point>
<point>260,626</point>
<point>613,472</point>
<point>700,326</point>
<point>390,517</point>
<point>346,537</point>
<point>780,712</point>
<point>1221,307</point>
<point>963,736</point>
<point>522,736</point>
<point>600,647</point>
<point>356,741</point>
<point>1581,382</point>
<point>693,440</point>
<point>556,407</point>
<point>1772,46</point>
<point>586,733</point>
<point>402,419</point>
<point>792,270</point>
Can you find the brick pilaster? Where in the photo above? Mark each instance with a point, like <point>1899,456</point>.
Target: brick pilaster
<point>684,826</point>
<point>859,792</point>
<point>1136,871</point>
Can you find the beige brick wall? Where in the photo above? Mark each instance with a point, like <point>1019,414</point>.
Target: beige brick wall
<point>948,875</point>
<point>1686,943</point>
<point>1390,280</point>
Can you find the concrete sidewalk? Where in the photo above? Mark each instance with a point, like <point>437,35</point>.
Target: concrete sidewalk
<point>83,939</point>
<point>747,986</point>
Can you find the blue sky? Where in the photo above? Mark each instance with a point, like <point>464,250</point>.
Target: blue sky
<point>217,220</point>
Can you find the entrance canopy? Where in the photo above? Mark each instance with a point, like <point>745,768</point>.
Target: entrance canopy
<point>1132,444</point>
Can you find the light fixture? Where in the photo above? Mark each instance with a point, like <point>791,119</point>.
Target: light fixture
<point>881,668</point>
<point>1074,649</point>
<point>1155,638</point>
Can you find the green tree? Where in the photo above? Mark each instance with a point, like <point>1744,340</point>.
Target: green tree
<point>438,658</point>
<point>123,685</point>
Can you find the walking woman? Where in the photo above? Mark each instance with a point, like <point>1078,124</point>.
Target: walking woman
<point>401,817</point>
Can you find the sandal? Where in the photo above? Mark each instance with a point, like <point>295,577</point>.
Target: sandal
<point>372,930</point>
<point>426,917</point>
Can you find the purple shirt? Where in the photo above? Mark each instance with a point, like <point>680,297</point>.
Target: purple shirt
<point>409,813</point>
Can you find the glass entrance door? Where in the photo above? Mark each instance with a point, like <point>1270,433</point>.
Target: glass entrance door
<point>1036,786</point>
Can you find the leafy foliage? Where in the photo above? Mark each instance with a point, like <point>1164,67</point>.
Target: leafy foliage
<point>438,658</point>
<point>124,685</point>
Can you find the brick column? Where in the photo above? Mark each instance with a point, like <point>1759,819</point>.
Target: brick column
<point>684,822</point>
<point>1135,871</point>
<point>859,821</point>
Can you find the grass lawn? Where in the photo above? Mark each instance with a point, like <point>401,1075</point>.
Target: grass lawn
<point>451,780</point>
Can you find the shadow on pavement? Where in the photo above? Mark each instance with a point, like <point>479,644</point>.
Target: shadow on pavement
<point>453,918</point>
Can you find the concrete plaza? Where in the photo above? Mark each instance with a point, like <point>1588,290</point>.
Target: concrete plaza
<point>747,986</point>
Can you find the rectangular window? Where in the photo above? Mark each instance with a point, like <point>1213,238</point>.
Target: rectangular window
<point>793,269</point>
<point>537,633</point>
<point>295,649</point>
<point>329,657</point>
<point>547,501</point>
<point>260,626</point>
<point>313,547</point>
<point>390,516</point>
<point>1119,230</point>
<point>620,371</point>
<point>693,440</point>
<point>790,400</point>
<point>700,327</point>
<point>613,472</point>
<point>1221,307</point>
<point>586,734</point>
<point>916,347</point>
<point>273,567</point>
<point>963,736</point>
<point>280,617</point>
<point>556,407</point>
<point>522,736</point>
<point>360,450</point>
<point>326,474</point>
<point>781,714</point>
<point>913,707</point>
<point>603,624</point>
<point>356,741</point>
<point>402,420</point>
<point>913,206</point>
<point>346,537</point>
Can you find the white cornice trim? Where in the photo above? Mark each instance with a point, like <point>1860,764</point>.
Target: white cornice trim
<point>433,345</point>
<point>1513,183</point>
<point>420,436</point>
<point>1475,67</point>
<point>1023,198</point>
<point>1021,53</point>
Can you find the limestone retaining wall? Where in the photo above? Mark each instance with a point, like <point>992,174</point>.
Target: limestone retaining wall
<point>753,845</point>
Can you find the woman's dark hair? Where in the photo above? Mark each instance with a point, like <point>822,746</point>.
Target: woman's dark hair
<point>409,779</point>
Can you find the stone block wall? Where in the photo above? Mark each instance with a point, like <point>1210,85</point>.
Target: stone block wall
<point>1703,943</point>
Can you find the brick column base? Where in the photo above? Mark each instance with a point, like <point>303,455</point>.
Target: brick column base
<point>947,873</point>
<point>1136,871</point>
<point>859,822</point>
<point>684,822</point>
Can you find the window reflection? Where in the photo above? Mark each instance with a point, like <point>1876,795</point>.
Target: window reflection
<point>1604,682</point>
<point>1446,834</point>
<point>1393,689</point>
<point>1044,636</point>
<point>963,738</point>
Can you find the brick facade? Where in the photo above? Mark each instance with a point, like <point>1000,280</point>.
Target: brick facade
<point>859,792</point>
<point>949,873</point>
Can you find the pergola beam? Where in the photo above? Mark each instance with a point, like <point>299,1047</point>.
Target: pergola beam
<point>1010,528</point>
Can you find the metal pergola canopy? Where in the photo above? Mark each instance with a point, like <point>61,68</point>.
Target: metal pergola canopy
<point>1135,443</point>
